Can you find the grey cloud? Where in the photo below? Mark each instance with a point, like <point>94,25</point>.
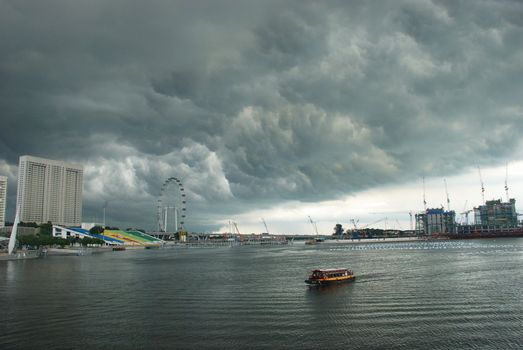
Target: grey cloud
<point>252,102</point>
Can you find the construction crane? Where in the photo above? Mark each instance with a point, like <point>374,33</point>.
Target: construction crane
<point>466,212</point>
<point>506,183</point>
<point>482,186</point>
<point>354,223</point>
<point>375,222</point>
<point>265,224</point>
<point>411,215</point>
<point>424,199</point>
<point>447,193</point>
<point>314,227</point>
<point>238,231</point>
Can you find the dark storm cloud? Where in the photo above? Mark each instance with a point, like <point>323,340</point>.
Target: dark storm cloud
<point>255,102</point>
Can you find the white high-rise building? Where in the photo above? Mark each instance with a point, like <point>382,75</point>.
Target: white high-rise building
<point>49,190</point>
<point>3,196</point>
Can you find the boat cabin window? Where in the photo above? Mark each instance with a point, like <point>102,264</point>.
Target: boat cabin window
<point>330,274</point>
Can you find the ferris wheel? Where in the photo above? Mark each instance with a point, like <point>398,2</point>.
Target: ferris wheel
<point>171,208</point>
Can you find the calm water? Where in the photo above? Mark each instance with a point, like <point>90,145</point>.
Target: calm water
<point>444,295</point>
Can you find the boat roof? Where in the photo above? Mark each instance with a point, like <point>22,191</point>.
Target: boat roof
<point>331,270</point>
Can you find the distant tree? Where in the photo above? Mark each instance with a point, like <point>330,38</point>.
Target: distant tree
<point>90,241</point>
<point>135,229</point>
<point>46,229</point>
<point>28,224</point>
<point>338,230</point>
<point>62,242</point>
<point>29,240</point>
<point>47,240</point>
<point>96,230</point>
<point>72,240</point>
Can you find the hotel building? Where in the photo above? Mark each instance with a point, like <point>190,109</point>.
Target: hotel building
<point>3,196</point>
<point>49,190</point>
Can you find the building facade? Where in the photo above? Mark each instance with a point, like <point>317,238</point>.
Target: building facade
<point>49,190</point>
<point>3,197</point>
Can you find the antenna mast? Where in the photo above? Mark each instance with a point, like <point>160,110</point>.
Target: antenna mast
<point>482,186</point>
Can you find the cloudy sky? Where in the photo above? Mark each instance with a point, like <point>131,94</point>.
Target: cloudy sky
<point>274,109</point>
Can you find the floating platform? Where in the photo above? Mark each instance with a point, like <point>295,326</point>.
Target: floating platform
<point>373,240</point>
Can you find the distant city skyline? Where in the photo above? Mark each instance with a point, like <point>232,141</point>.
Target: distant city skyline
<point>274,109</point>
<point>383,207</point>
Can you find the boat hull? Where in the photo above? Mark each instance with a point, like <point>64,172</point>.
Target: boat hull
<point>327,282</point>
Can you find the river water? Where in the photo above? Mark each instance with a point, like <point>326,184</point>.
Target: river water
<point>432,295</point>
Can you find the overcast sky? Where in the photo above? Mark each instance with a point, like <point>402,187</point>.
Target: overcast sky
<point>275,109</point>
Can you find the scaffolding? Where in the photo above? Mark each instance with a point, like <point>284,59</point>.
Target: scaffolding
<point>436,221</point>
<point>496,213</point>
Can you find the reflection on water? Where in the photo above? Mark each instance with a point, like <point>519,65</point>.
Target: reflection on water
<point>432,295</point>
<point>330,288</point>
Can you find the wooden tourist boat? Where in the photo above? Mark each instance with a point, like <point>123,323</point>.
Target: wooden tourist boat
<point>322,277</point>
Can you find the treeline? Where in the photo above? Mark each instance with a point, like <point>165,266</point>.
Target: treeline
<point>45,228</point>
<point>44,240</point>
<point>340,232</point>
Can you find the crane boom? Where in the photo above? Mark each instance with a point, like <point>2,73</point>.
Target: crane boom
<point>236,227</point>
<point>447,193</point>
<point>424,199</point>
<point>265,224</point>
<point>506,183</point>
<point>375,222</point>
<point>482,186</point>
<point>314,227</point>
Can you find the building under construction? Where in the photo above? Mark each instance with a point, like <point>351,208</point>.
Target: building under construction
<point>436,221</point>
<point>492,219</point>
<point>496,213</point>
